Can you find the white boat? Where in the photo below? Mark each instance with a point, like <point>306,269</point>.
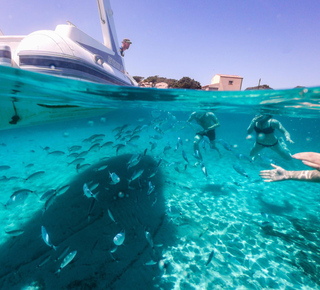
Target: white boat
<point>66,53</point>
<point>69,52</point>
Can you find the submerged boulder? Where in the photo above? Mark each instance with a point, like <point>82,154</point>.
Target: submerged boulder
<point>84,222</point>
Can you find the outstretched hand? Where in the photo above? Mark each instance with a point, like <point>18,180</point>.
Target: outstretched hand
<point>276,174</point>
<point>311,159</point>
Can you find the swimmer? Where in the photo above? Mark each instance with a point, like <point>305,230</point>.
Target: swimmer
<point>209,122</point>
<point>264,126</point>
<point>311,159</point>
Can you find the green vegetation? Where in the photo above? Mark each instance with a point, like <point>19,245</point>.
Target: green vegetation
<point>183,83</point>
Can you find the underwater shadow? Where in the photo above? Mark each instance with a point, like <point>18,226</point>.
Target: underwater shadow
<point>75,222</point>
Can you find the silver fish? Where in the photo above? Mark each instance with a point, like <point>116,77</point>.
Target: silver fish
<point>14,233</point>
<point>111,216</point>
<point>136,174</point>
<point>184,155</point>
<point>210,258</point>
<point>49,202</point>
<point>119,238</point>
<point>88,193</point>
<point>240,170</point>
<point>48,194</point>
<point>151,188</point>
<point>35,175</point>
<point>17,198</point>
<point>93,202</point>
<point>63,254</point>
<point>67,260</point>
<point>46,238</point>
<point>114,178</point>
<point>149,238</point>
<point>204,170</point>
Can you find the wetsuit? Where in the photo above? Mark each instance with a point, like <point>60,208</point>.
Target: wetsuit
<point>268,130</point>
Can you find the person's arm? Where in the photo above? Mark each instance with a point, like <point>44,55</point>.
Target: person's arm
<point>253,122</point>
<point>278,125</point>
<point>280,174</point>
<point>215,121</point>
<point>311,159</point>
<point>191,117</point>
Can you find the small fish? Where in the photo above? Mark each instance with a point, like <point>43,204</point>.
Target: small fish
<point>35,175</point>
<point>136,175</point>
<point>156,137</point>
<point>56,153</point>
<point>153,145</point>
<point>134,160</point>
<point>88,193</point>
<point>150,263</point>
<point>49,202</point>
<point>74,148</point>
<point>108,143</point>
<point>184,155</point>
<point>224,144</point>
<point>243,157</point>
<point>119,146</point>
<point>92,204</point>
<point>166,148</point>
<point>94,148</point>
<point>67,260</point>
<point>83,153</point>
<point>77,161</point>
<point>119,238</point>
<point>103,167</point>
<point>14,233</point>
<point>150,188</point>
<point>48,194</point>
<point>133,138</point>
<point>111,216</point>
<point>17,198</point>
<point>154,172</point>
<point>114,178</point>
<point>4,167</point>
<point>82,167</point>
<point>240,170</point>
<point>210,258</point>
<point>197,155</point>
<point>149,238</point>
<point>63,254</point>
<point>63,189</point>
<point>44,261</point>
<point>204,170</point>
<point>46,238</point>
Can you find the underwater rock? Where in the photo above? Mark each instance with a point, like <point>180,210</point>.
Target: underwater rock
<point>76,223</point>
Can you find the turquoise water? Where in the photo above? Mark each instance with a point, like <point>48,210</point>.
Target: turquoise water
<point>189,231</point>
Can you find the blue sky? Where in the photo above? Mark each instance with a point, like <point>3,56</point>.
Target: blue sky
<point>275,40</point>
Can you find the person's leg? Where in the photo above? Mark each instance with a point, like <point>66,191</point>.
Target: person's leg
<point>196,148</point>
<point>213,146</point>
<point>255,150</point>
<point>282,150</point>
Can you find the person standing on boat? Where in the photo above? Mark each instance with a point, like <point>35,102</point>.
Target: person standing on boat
<point>125,45</point>
<point>264,126</point>
<point>209,122</point>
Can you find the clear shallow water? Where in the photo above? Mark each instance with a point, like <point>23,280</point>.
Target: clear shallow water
<point>262,235</point>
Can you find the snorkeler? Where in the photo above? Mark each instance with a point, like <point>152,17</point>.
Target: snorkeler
<point>209,122</point>
<point>311,159</point>
<point>264,126</point>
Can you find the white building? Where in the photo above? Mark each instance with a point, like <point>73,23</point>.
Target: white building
<point>222,82</point>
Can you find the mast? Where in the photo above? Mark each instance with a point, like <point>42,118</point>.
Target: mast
<point>107,25</point>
